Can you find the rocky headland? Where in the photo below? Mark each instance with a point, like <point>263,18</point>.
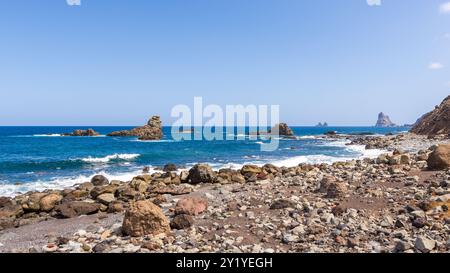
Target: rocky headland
<point>151,131</point>
<point>435,122</point>
<point>397,202</point>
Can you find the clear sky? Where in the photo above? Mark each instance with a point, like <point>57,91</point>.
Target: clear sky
<point>116,62</point>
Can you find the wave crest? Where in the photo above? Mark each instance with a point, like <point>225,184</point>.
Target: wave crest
<point>109,158</point>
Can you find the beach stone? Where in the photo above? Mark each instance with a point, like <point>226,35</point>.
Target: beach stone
<point>6,222</point>
<point>144,218</point>
<point>170,167</point>
<point>86,186</point>
<point>101,247</point>
<point>140,184</point>
<point>251,170</point>
<point>424,244</point>
<point>325,183</point>
<point>270,168</point>
<point>282,204</point>
<point>182,221</point>
<point>336,190</point>
<point>184,175</point>
<point>11,211</point>
<point>48,202</point>
<point>99,190</point>
<point>99,180</point>
<point>405,159</point>
<point>439,159</point>
<point>6,201</point>
<point>76,195</point>
<point>106,198</point>
<point>116,206</point>
<point>76,208</point>
<point>194,205</point>
<point>49,248</point>
<point>31,203</point>
<point>171,189</point>
<point>202,173</point>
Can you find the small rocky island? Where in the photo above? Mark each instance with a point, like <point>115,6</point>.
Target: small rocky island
<point>151,131</point>
<point>320,124</point>
<point>88,132</point>
<point>384,121</point>
<point>283,130</point>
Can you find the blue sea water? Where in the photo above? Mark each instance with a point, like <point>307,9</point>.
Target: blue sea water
<point>36,158</point>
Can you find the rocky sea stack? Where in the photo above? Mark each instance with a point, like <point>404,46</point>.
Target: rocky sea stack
<point>384,121</point>
<point>436,122</point>
<point>151,131</point>
<point>283,130</point>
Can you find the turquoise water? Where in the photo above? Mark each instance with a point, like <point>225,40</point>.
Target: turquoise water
<point>31,159</point>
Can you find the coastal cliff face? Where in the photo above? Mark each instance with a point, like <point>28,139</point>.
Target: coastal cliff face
<point>435,122</point>
<point>384,121</point>
<point>151,131</point>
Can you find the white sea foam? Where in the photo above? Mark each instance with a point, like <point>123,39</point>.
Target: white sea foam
<point>154,141</point>
<point>47,135</point>
<point>58,183</point>
<point>110,157</point>
<point>306,137</point>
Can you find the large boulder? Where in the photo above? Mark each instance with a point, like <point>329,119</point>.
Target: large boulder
<point>31,203</point>
<point>435,122</point>
<point>201,173</point>
<point>151,131</point>
<point>170,167</point>
<point>11,211</point>
<point>182,221</point>
<point>144,218</point>
<point>99,180</point>
<point>251,170</point>
<point>194,205</point>
<point>439,159</point>
<point>76,208</point>
<point>48,202</point>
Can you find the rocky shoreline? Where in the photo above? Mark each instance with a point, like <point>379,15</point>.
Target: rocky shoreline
<point>393,203</point>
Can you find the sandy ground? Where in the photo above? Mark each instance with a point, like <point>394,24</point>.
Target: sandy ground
<point>36,235</point>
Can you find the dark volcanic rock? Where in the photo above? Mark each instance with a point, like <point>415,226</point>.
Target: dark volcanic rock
<point>151,131</point>
<point>76,208</point>
<point>182,221</point>
<point>435,122</point>
<point>201,173</point>
<point>170,167</point>
<point>99,180</point>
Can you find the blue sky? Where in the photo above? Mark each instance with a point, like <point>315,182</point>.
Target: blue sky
<point>116,62</point>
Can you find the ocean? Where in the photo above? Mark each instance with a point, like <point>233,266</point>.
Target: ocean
<point>39,158</point>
